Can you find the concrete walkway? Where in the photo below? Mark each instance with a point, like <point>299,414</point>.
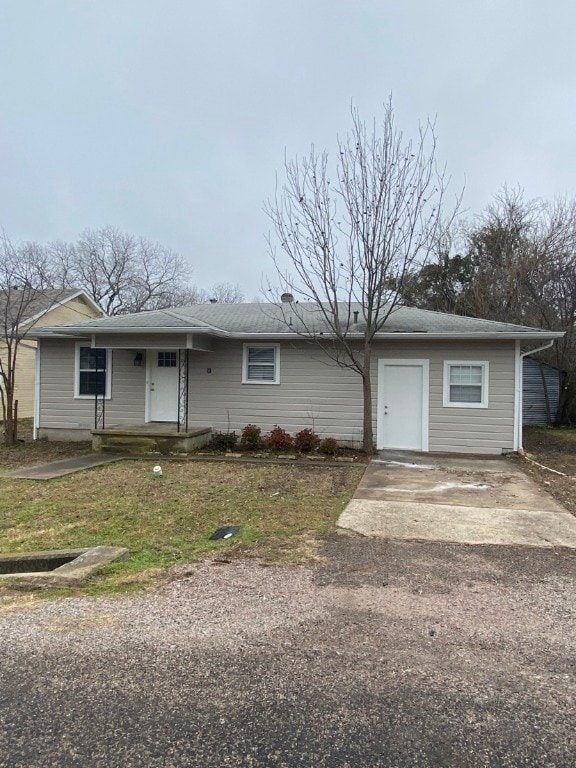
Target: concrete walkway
<point>466,500</point>
<point>63,466</point>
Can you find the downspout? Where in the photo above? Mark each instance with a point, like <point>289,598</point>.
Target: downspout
<point>36,391</point>
<point>520,387</point>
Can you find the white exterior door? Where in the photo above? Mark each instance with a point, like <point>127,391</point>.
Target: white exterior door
<point>162,385</point>
<point>402,408</point>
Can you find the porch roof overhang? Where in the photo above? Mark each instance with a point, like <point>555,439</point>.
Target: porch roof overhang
<point>166,340</point>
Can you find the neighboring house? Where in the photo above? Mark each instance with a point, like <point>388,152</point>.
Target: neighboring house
<point>540,392</point>
<point>440,382</point>
<point>50,307</point>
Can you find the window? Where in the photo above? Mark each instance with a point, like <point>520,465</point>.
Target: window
<point>92,366</point>
<point>166,359</point>
<point>465,384</point>
<point>261,364</point>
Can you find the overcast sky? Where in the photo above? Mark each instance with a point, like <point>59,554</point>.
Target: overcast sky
<point>171,118</point>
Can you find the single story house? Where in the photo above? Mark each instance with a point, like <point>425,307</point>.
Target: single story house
<point>440,382</point>
<point>22,311</point>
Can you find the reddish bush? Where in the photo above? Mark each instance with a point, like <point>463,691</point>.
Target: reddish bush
<point>306,440</point>
<point>251,437</point>
<point>329,446</point>
<point>278,439</point>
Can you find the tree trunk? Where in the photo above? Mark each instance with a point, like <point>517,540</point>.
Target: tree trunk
<point>368,435</point>
<point>9,420</point>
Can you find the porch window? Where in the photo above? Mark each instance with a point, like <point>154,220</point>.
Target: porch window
<point>167,359</point>
<point>465,384</point>
<point>261,364</point>
<point>91,374</point>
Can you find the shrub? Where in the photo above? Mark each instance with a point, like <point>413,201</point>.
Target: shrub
<point>329,446</point>
<point>223,441</point>
<point>306,440</point>
<point>278,439</point>
<point>251,437</point>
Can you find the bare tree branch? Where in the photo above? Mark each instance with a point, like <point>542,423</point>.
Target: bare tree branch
<point>24,278</point>
<point>353,232</point>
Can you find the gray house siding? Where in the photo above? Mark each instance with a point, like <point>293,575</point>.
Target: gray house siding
<point>313,392</point>
<point>60,410</point>
<point>472,430</point>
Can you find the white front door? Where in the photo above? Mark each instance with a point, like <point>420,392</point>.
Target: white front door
<point>402,408</point>
<point>162,385</point>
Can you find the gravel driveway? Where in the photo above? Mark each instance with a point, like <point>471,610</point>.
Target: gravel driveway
<point>382,654</point>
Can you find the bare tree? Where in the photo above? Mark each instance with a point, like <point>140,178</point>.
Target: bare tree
<point>219,293</point>
<point>122,273</point>
<point>522,255</point>
<point>24,277</point>
<point>551,291</point>
<point>501,246</point>
<point>353,234</point>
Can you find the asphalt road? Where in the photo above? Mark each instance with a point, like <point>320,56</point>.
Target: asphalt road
<point>384,654</point>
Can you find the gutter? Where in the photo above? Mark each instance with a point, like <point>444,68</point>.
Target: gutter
<point>519,381</point>
<point>540,349</point>
<point>37,372</point>
<point>69,332</point>
<point>62,331</point>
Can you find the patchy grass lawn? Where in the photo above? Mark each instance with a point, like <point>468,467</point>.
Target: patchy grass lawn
<point>167,521</point>
<point>554,448</point>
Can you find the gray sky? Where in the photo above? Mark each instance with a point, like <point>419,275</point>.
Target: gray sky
<point>170,118</point>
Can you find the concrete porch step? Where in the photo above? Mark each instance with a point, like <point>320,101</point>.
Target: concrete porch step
<point>149,439</point>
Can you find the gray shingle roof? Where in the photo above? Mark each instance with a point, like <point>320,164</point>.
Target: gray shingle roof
<point>272,319</point>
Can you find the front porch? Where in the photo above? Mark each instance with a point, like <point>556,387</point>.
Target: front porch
<point>156,437</point>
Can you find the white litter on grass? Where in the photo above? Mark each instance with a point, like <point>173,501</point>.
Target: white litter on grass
<point>403,464</point>
<point>438,488</point>
<point>157,471</point>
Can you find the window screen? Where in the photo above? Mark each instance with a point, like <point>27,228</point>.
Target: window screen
<point>261,364</point>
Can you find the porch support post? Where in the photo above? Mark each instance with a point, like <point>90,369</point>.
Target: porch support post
<point>99,401</point>
<point>183,377</point>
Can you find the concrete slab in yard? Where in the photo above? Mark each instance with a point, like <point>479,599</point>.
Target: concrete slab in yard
<point>62,467</point>
<point>465,500</point>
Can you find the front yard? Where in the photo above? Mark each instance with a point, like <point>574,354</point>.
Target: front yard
<point>165,521</point>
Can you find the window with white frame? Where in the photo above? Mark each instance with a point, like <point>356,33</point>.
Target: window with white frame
<point>465,384</point>
<point>91,373</point>
<point>261,364</point>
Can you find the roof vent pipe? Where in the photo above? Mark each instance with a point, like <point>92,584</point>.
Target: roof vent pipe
<point>355,317</point>
<point>287,298</point>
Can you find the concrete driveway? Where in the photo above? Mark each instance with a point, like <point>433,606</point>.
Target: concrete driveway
<point>462,499</point>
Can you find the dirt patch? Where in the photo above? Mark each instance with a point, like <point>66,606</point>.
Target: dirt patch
<point>28,452</point>
<point>555,449</point>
